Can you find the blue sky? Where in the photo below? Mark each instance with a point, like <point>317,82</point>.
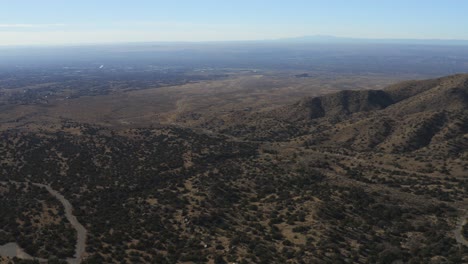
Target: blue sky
<point>102,21</point>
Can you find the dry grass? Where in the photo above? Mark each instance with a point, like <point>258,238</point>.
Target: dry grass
<point>185,103</point>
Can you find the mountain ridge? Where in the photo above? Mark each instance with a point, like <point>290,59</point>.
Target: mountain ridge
<point>347,102</point>
<point>427,115</point>
<point>358,40</point>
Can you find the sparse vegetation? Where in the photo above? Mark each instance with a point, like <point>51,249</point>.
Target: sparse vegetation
<point>372,182</point>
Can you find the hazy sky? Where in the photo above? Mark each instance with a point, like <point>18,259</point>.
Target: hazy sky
<point>103,21</point>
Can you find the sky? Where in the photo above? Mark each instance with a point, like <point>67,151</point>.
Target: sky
<point>55,22</point>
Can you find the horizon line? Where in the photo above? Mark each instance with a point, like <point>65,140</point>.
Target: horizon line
<point>313,39</point>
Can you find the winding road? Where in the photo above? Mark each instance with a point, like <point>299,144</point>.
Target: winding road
<point>80,248</point>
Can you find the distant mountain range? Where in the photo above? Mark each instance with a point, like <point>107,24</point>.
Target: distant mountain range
<point>346,40</point>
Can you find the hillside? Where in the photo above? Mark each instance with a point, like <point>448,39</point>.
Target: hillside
<point>362,176</point>
<point>402,117</point>
<point>417,116</point>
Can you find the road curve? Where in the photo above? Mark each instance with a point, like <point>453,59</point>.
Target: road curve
<point>80,248</point>
<point>459,230</point>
